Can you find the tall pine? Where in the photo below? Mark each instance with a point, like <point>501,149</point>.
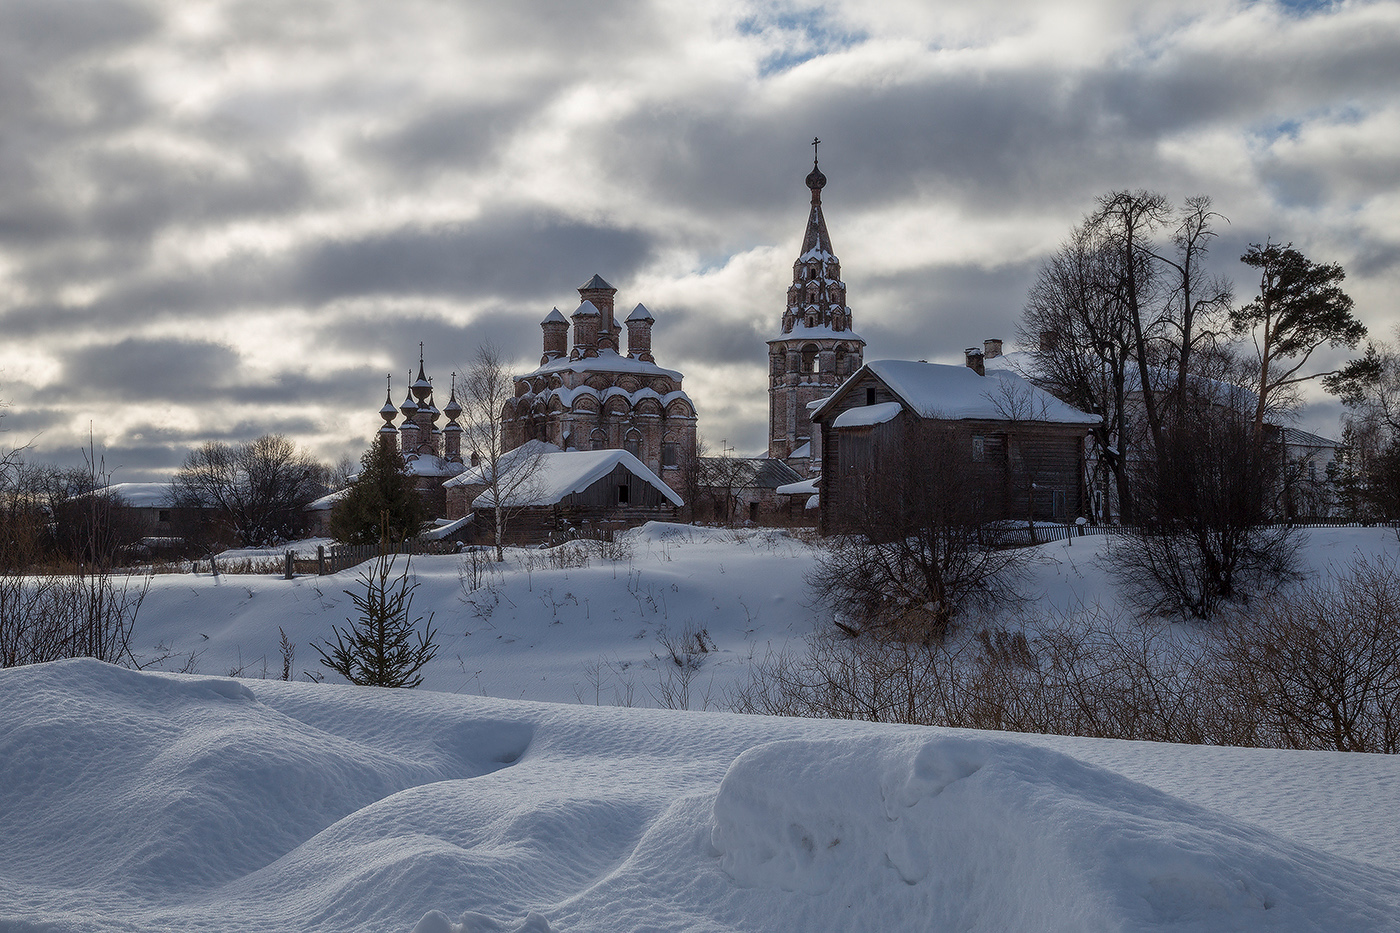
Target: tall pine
<point>381,501</point>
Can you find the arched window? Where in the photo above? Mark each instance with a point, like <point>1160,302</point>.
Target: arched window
<point>632,443</point>
<point>811,361</point>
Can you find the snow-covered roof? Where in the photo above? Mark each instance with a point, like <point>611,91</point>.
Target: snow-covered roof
<point>867,415</point>
<point>640,313</point>
<point>596,282</point>
<point>607,361</point>
<point>142,495</point>
<point>938,390</point>
<point>442,529</point>
<point>326,503</point>
<point>803,451</point>
<point>562,473</point>
<point>806,487</point>
<point>481,474</point>
<point>586,309</point>
<point>820,332</point>
<point>555,317</point>
<point>431,465</point>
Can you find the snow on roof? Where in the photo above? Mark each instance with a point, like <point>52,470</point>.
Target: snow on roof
<point>142,495</point>
<point>607,361</point>
<point>432,465</point>
<point>806,487</point>
<point>937,390</point>
<point>595,282</point>
<point>867,415</point>
<point>445,528</point>
<point>325,503</point>
<point>563,473</point>
<point>640,313</point>
<point>803,451</point>
<point>587,309</point>
<point>822,332</point>
<point>481,474</point>
<point>555,316</point>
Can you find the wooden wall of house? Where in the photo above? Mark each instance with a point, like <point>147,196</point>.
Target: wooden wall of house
<point>603,494</point>
<point>1024,469</point>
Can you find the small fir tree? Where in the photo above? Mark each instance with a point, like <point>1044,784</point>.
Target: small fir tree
<point>382,501</point>
<point>383,647</point>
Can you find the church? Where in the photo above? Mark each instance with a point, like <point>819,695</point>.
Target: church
<point>594,395</point>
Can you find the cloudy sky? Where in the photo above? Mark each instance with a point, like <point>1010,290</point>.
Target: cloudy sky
<point>220,218</point>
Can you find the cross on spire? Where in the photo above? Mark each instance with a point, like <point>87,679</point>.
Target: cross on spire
<point>815,143</point>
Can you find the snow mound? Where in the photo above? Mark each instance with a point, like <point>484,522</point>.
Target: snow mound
<point>986,833</point>
<point>435,921</point>
<point>236,785</point>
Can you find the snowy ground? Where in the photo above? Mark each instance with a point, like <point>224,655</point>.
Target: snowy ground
<point>152,801</point>
<point>137,801</point>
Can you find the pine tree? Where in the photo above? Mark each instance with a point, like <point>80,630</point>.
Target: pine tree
<point>381,501</point>
<point>378,649</point>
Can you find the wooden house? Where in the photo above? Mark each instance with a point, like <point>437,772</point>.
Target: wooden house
<point>588,493</point>
<point>989,443</point>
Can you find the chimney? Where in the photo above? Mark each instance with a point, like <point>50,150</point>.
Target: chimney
<point>991,348</point>
<point>974,360</point>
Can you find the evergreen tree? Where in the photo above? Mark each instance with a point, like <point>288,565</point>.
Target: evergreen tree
<point>383,647</point>
<point>381,501</point>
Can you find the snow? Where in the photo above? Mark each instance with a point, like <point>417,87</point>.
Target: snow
<point>806,487</point>
<point>868,415</point>
<point>937,390</point>
<point>607,361</point>
<point>155,801</point>
<point>820,332</point>
<point>142,495</point>
<point>562,473</point>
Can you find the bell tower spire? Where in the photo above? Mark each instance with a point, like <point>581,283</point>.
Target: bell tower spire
<point>816,348</point>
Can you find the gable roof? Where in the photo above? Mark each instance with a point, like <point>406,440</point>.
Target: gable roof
<point>560,473</point>
<point>938,390</point>
<point>749,472</point>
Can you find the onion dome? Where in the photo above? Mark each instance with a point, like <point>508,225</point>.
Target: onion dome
<point>409,406</point>
<point>422,386</point>
<point>388,412</point>
<point>430,409</point>
<point>453,408</point>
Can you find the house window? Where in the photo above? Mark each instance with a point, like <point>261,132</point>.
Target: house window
<point>979,448</point>
<point>164,516</point>
<point>622,492</point>
<point>870,395</point>
<point>670,454</point>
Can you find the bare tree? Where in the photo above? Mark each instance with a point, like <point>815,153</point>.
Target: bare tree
<point>1083,349</point>
<point>1205,497</point>
<point>511,477</point>
<point>912,551</point>
<point>260,487</point>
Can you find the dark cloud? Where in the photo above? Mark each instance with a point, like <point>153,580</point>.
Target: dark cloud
<point>140,369</point>
<point>456,135</point>
<point>529,254</point>
<point>41,30</point>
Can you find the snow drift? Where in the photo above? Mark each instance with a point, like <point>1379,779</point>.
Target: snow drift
<point>137,801</point>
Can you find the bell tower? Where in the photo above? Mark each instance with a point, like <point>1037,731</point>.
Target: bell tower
<point>816,349</point>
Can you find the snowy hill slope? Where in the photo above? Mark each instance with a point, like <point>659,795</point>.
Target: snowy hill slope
<point>137,801</point>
